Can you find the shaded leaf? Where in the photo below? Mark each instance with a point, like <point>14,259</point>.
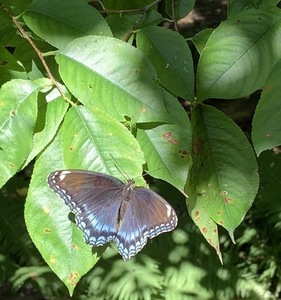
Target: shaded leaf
<point>59,22</point>
<point>174,65</point>
<point>229,66</point>
<point>266,123</point>
<point>225,169</point>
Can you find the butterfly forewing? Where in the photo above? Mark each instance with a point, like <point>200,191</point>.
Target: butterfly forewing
<point>94,198</point>
<point>147,215</point>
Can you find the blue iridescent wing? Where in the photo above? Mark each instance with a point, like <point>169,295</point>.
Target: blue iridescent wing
<point>147,215</point>
<point>95,200</point>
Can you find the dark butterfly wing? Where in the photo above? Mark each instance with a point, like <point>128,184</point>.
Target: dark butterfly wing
<point>146,216</point>
<point>95,200</point>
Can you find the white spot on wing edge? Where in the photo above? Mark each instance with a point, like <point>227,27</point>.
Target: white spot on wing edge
<point>169,210</point>
<point>62,174</point>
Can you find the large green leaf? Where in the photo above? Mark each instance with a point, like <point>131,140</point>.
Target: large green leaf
<point>49,224</point>
<point>237,58</point>
<point>113,76</point>
<point>174,65</point>
<point>18,112</point>
<point>91,140</point>
<point>167,147</point>
<point>59,22</point>
<point>225,169</point>
<point>266,129</point>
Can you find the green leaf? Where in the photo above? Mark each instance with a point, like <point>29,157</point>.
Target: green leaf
<point>18,103</point>
<point>201,38</point>
<point>32,63</point>
<point>200,216</point>
<point>93,140</point>
<point>237,6</point>
<point>230,65</point>
<point>49,119</point>
<point>59,22</point>
<point>9,67</point>
<point>120,26</point>
<point>88,139</point>
<point>181,8</point>
<point>266,123</point>
<point>174,65</point>
<point>150,18</point>
<point>49,224</point>
<point>167,147</point>
<point>121,4</point>
<point>225,169</point>
<point>114,77</point>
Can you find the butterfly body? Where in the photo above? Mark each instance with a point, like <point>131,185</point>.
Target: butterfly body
<point>108,210</point>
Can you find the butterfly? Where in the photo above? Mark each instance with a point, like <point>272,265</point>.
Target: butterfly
<point>107,210</point>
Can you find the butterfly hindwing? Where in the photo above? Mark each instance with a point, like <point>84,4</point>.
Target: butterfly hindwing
<point>147,215</point>
<point>94,198</point>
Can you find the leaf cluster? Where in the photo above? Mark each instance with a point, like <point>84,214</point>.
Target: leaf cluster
<point>83,84</point>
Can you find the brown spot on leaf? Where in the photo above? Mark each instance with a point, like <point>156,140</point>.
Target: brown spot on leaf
<point>267,135</point>
<point>71,148</point>
<point>47,230</point>
<point>183,153</point>
<point>173,141</point>
<point>219,212</point>
<point>11,165</point>
<point>72,278</point>
<point>75,247</point>
<point>197,145</point>
<point>167,135</point>
<point>227,200</point>
<point>143,109</point>
<point>267,87</point>
<point>12,113</point>
<point>204,230</point>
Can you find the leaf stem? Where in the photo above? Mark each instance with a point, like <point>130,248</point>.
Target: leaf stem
<point>38,52</point>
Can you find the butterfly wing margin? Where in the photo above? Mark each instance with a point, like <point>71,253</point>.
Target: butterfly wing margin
<point>147,215</point>
<point>94,198</point>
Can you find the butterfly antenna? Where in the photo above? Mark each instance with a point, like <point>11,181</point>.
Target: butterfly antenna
<point>121,171</point>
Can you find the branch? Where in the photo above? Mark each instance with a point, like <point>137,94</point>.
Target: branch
<point>39,53</point>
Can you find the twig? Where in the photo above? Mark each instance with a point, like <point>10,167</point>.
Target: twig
<point>39,53</point>
<point>144,11</point>
<point>174,16</point>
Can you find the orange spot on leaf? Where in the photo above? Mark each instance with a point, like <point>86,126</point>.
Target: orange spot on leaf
<point>143,109</point>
